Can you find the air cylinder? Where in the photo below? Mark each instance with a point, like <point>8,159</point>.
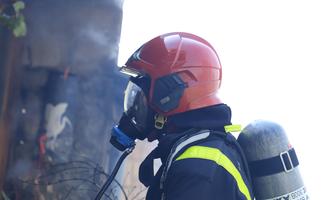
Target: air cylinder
<point>273,162</point>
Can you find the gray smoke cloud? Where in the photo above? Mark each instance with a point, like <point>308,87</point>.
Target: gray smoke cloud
<point>69,98</point>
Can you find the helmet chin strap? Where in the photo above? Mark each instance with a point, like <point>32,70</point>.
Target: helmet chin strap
<point>160,121</point>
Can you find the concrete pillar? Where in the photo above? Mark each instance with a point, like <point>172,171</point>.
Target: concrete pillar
<point>77,40</point>
<point>10,54</point>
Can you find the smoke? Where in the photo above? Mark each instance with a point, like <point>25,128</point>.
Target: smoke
<point>69,97</point>
<point>72,34</point>
<point>22,168</point>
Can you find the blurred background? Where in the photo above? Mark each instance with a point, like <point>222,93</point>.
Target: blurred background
<point>60,92</point>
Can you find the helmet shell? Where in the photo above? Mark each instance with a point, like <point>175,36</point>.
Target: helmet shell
<point>186,56</point>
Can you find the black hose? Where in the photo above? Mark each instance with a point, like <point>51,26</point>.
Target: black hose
<point>113,174</point>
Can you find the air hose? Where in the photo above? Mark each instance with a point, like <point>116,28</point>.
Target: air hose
<point>114,173</point>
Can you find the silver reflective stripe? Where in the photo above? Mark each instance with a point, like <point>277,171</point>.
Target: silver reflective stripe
<point>185,143</point>
<point>199,136</point>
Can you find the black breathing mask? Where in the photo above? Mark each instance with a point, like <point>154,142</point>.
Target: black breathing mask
<point>137,119</point>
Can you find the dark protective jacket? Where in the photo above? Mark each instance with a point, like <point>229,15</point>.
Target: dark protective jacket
<point>202,162</point>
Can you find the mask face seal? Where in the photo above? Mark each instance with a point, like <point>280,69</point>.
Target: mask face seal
<point>137,119</point>
<point>136,106</point>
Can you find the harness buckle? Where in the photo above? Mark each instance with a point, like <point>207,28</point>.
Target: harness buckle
<point>285,156</point>
<point>160,121</point>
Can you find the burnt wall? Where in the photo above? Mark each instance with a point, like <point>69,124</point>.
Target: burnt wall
<point>10,49</point>
<point>69,94</point>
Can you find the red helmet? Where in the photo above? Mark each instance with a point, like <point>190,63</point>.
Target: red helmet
<point>183,71</point>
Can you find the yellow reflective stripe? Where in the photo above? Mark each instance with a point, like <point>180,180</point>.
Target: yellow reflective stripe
<point>221,159</point>
<point>233,128</point>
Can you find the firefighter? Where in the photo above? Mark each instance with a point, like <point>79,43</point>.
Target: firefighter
<point>172,97</point>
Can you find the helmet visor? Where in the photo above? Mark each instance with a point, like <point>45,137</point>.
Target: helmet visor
<point>136,106</point>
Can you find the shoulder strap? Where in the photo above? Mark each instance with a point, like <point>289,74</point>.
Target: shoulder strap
<point>188,140</point>
<point>177,147</point>
<point>229,138</point>
<point>221,159</point>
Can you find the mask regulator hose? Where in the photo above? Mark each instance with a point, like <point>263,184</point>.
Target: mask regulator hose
<point>123,139</point>
<point>114,172</point>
